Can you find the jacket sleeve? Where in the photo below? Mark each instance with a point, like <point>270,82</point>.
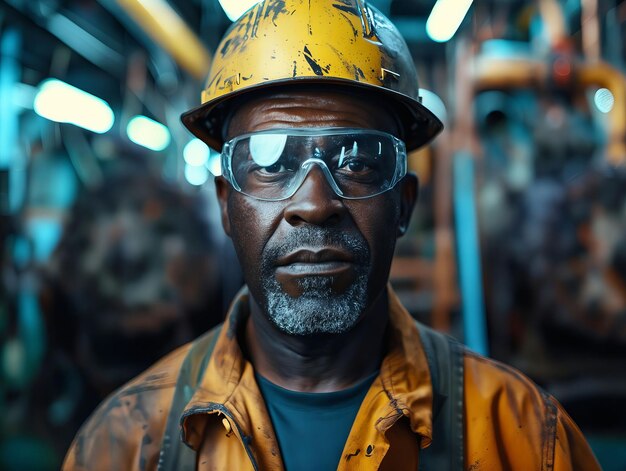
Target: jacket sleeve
<point>119,435</point>
<point>126,431</point>
<point>571,450</point>
<point>510,423</point>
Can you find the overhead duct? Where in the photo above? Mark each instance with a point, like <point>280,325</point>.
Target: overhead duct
<point>169,30</point>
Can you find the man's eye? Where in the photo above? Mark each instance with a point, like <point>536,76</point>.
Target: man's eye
<point>276,168</point>
<point>356,166</point>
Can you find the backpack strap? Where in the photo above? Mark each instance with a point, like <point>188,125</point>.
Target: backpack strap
<point>175,455</point>
<point>445,361</point>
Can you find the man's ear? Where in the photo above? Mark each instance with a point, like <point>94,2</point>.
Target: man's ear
<point>409,186</point>
<point>223,190</point>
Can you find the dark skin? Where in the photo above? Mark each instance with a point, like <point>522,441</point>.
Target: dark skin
<point>321,362</point>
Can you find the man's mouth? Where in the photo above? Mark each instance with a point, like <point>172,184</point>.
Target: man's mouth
<point>319,262</point>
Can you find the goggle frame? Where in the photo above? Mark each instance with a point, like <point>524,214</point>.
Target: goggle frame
<point>306,166</point>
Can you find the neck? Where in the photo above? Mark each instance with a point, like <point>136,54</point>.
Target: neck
<point>317,363</point>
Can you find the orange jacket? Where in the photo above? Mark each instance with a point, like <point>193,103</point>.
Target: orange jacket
<point>508,422</point>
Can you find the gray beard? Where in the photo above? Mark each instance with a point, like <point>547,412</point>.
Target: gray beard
<point>318,310</point>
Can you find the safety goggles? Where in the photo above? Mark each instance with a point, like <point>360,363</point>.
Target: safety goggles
<point>271,165</point>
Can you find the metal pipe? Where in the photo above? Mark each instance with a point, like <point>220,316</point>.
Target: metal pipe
<point>169,30</point>
<point>590,29</point>
<point>554,21</point>
<point>502,74</point>
<point>468,249</point>
<point>12,174</point>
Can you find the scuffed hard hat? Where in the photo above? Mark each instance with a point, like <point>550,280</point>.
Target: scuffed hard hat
<point>339,43</point>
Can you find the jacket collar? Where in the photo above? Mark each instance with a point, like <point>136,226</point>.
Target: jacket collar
<point>404,376</point>
<point>404,372</point>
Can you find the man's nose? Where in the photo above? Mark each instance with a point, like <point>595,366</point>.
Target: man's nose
<point>314,202</point>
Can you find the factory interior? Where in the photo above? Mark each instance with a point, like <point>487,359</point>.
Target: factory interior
<point>112,252</point>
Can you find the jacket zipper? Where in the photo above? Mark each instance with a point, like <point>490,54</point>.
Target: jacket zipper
<point>220,408</point>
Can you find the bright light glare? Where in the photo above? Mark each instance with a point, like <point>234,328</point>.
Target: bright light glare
<point>24,95</point>
<point>604,100</point>
<point>215,163</point>
<point>445,19</point>
<point>148,133</point>
<point>235,8</point>
<point>196,175</point>
<point>196,152</point>
<point>435,104</point>
<point>60,102</point>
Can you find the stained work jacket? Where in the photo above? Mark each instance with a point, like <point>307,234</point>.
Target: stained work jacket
<point>490,417</point>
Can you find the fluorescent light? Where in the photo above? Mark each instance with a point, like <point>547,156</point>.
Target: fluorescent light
<point>604,100</point>
<point>445,19</point>
<point>236,8</point>
<point>435,104</point>
<point>196,152</point>
<point>168,29</point>
<point>148,133</point>
<point>24,95</point>
<point>215,163</point>
<point>196,175</point>
<point>63,103</point>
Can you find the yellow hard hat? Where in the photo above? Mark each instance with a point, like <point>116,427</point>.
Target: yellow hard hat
<point>339,43</point>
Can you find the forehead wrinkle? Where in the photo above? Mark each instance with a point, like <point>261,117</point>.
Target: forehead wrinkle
<point>315,116</point>
<point>309,111</point>
<point>274,122</point>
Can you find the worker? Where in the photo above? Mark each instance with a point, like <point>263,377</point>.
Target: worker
<point>318,366</point>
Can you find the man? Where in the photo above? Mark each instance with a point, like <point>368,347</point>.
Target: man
<point>318,366</point>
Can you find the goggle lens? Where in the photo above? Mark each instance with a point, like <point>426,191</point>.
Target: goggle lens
<point>271,165</point>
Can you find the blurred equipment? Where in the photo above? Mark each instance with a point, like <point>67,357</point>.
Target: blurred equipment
<point>551,148</point>
<point>137,262</point>
<point>134,276</point>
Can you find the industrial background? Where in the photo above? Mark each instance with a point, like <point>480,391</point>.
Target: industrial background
<point>111,251</point>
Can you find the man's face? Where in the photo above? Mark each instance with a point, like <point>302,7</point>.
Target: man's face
<point>315,263</point>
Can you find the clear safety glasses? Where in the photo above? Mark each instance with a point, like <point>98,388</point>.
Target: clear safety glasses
<point>271,165</point>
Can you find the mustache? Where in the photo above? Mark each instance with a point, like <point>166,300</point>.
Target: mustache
<point>313,237</point>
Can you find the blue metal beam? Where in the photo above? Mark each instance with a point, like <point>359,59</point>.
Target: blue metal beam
<point>12,189</point>
<point>468,254</point>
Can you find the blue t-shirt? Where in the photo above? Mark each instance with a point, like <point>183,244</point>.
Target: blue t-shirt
<point>312,428</point>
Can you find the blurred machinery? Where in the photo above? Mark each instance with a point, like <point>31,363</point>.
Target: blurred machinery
<point>552,201</point>
<point>109,245</point>
<point>527,204</point>
<point>134,275</point>
<point>548,144</point>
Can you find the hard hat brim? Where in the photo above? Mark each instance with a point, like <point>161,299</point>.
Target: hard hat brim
<point>420,124</point>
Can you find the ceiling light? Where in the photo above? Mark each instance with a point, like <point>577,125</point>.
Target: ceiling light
<point>604,100</point>
<point>63,103</point>
<point>215,163</point>
<point>434,103</point>
<point>236,8</point>
<point>148,133</point>
<point>196,152</point>
<point>196,175</point>
<point>445,19</point>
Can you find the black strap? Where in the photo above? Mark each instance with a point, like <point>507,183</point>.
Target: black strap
<point>175,455</point>
<point>445,361</point>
